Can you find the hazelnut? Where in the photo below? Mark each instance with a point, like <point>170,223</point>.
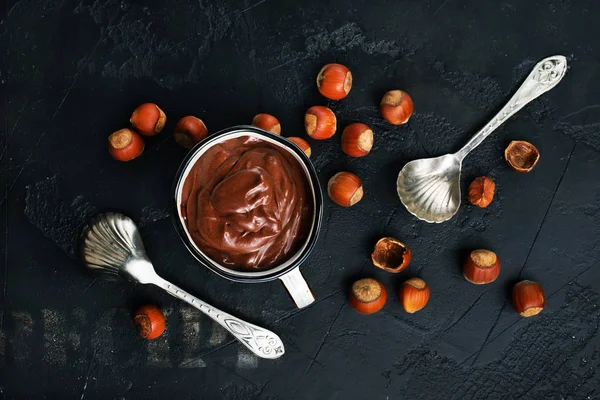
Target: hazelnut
<point>482,266</point>
<point>189,131</point>
<point>148,119</point>
<point>396,107</point>
<point>303,144</point>
<point>391,255</point>
<point>528,298</point>
<point>345,189</point>
<point>521,156</point>
<point>334,81</point>
<point>320,122</point>
<point>267,122</point>
<point>125,145</point>
<point>150,322</point>
<point>357,140</point>
<point>414,294</point>
<point>481,191</point>
<point>367,296</point>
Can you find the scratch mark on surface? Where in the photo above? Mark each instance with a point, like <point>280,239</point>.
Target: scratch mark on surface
<point>477,353</point>
<point>440,7</point>
<point>87,375</point>
<point>312,362</point>
<point>364,264</point>
<point>22,168</point>
<point>8,136</point>
<point>89,286</point>
<point>578,111</point>
<point>283,65</point>
<point>391,216</point>
<point>18,166</point>
<point>250,7</point>
<point>349,333</point>
<point>407,324</point>
<point>247,20</point>
<point>548,209</point>
<point>466,312</point>
<point>66,94</point>
<point>297,311</point>
<point>573,279</point>
<point>5,267</point>
<point>196,362</point>
<point>233,371</point>
<point>12,8</point>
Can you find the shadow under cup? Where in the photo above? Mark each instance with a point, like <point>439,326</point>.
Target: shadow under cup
<point>288,271</point>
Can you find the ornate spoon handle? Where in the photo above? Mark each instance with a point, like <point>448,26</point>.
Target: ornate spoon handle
<point>260,341</point>
<point>544,76</point>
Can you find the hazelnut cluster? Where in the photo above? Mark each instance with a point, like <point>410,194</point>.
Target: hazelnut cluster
<point>481,267</point>
<point>149,120</point>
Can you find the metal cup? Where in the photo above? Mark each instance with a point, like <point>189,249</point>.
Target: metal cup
<point>288,271</point>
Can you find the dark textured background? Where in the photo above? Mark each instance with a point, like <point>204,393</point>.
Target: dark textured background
<point>73,71</point>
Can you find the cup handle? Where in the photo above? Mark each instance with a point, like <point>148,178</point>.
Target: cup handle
<point>298,288</point>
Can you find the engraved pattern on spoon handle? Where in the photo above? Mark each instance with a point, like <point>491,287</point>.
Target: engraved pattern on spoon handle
<point>545,75</point>
<point>260,341</point>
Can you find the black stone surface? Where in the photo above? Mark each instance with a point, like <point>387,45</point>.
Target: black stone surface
<point>72,72</point>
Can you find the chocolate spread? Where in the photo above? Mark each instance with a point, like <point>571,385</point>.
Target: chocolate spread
<point>247,204</point>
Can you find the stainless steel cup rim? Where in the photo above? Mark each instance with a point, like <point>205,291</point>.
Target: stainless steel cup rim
<point>242,276</point>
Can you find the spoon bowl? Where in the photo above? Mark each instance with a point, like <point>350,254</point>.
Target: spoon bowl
<point>429,188</point>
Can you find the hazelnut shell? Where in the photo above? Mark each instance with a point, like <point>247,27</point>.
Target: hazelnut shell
<point>522,156</point>
<point>391,255</point>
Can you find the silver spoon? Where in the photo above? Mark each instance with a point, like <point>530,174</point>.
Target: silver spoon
<point>429,188</point>
<point>112,244</point>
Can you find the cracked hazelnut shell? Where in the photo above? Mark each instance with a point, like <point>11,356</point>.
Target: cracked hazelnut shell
<point>522,156</point>
<point>391,255</point>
